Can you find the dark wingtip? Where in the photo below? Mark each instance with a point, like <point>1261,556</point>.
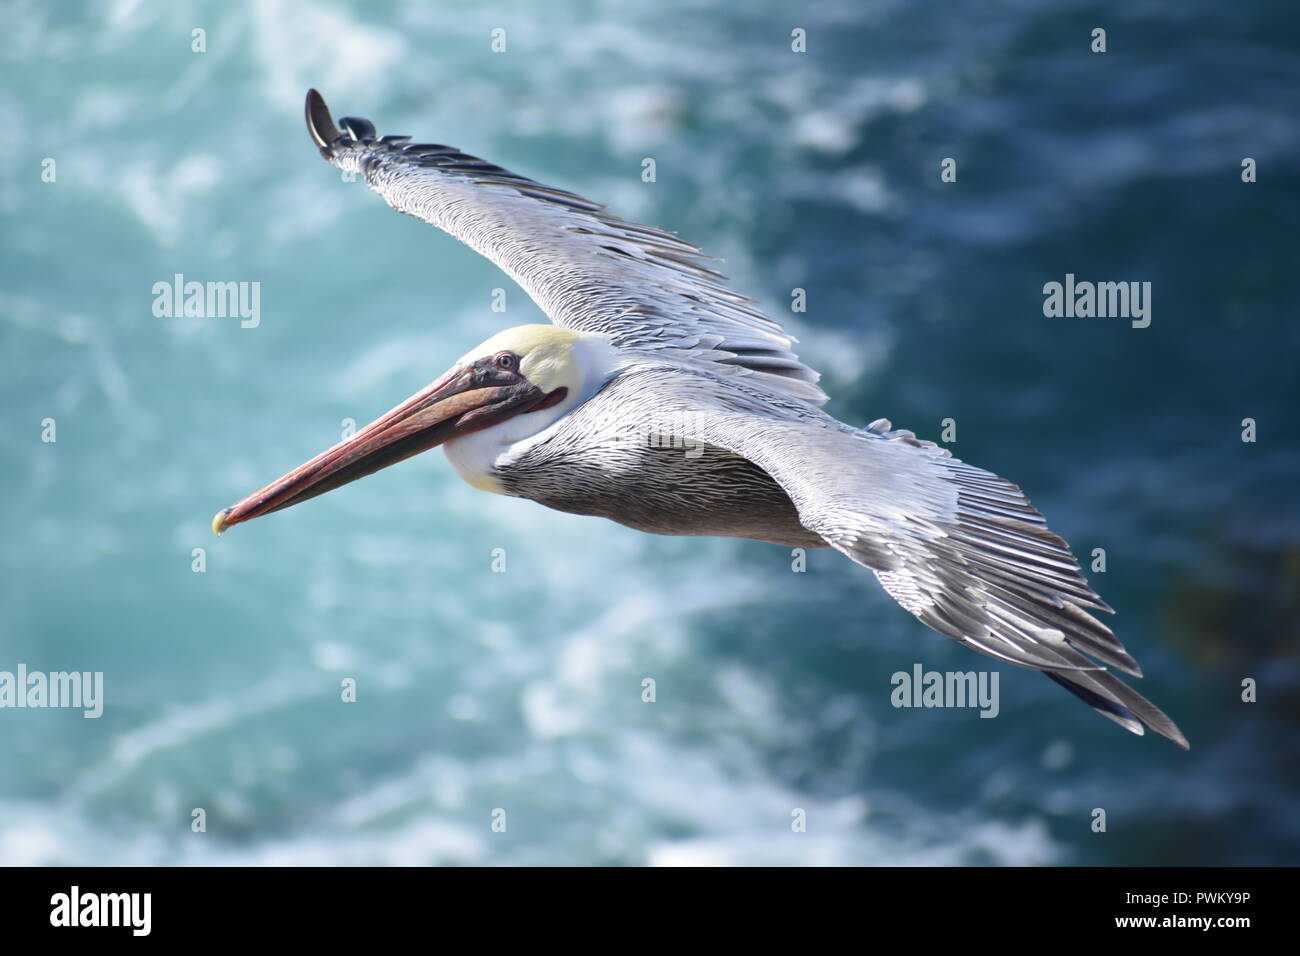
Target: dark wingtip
<point>319,122</point>
<point>1111,697</point>
<point>361,130</point>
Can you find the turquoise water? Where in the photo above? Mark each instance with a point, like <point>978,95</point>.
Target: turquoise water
<point>522,690</point>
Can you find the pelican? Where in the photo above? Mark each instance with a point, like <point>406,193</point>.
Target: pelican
<point>664,401</point>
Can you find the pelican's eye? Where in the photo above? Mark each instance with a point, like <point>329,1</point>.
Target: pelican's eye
<point>506,360</point>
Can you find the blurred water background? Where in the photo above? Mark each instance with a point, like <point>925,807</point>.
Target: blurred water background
<point>522,690</point>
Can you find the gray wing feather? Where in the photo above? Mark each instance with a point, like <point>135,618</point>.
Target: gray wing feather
<point>960,548</point>
<point>586,268</point>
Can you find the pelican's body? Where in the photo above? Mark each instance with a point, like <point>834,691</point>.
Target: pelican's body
<point>621,456</point>
<point>664,401</point>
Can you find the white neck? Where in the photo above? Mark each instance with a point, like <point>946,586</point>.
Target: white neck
<point>475,456</point>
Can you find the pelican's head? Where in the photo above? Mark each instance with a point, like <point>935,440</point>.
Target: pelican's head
<point>514,384</point>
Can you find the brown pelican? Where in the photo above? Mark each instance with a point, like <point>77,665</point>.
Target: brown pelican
<point>664,401</point>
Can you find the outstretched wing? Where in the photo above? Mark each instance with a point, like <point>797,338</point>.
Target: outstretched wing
<point>960,548</point>
<point>586,268</point>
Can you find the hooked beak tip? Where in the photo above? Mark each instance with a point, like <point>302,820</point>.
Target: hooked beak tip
<point>219,520</point>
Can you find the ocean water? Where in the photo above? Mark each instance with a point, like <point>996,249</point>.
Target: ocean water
<point>521,691</point>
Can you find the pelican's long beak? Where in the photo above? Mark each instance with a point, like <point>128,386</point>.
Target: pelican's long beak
<point>427,419</point>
